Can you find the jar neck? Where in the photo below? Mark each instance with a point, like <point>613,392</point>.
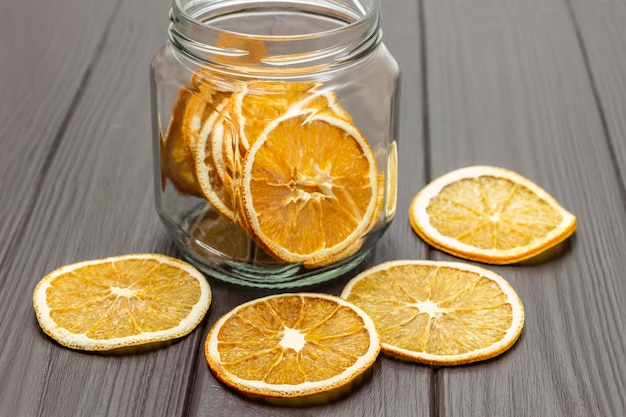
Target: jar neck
<point>275,36</point>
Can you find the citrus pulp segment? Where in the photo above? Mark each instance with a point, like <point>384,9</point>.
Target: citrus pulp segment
<point>310,185</point>
<point>439,313</point>
<point>121,301</point>
<point>292,345</point>
<point>489,214</point>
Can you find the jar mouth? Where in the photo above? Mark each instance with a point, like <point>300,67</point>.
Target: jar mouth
<point>286,34</point>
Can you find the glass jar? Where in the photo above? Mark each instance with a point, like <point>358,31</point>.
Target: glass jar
<point>275,137</point>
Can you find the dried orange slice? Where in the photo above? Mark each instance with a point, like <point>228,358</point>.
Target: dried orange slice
<point>214,181</point>
<point>214,236</point>
<point>490,215</point>
<point>224,147</point>
<point>292,346</point>
<point>258,103</point>
<point>310,187</point>
<point>201,105</point>
<point>391,185</point>
<point>121,301</point>
<point>439,313</point>
<point>176,157</point>
<point>192,108</point>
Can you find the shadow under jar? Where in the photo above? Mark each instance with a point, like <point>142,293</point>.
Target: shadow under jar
<point>275,137</point>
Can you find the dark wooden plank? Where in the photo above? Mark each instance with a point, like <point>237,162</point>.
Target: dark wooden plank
<point>396,388</point>
<point>507,86</point>
<point>46,55</point>
<point>600,25</point>
<point>602,33</point>
<point>95,200</point>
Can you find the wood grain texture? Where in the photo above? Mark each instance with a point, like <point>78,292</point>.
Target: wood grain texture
<point>95,199</point>
<point>600,25</point>
<point>46,55</point>
<point>507,86</point>
<point>41,75</point>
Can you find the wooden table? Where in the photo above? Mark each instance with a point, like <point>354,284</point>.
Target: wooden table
<point>536,86</point>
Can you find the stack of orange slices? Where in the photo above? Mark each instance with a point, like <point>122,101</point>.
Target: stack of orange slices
<point>281,160</point>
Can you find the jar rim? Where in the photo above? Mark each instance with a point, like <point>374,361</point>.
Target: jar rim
<point>181,9</point>
<point>355,28</point>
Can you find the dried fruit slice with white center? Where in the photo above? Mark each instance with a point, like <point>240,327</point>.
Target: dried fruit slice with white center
<point>439,313</point>
<point>121,301</point>
<point>292,346</point>
<point>489,214</point>
<point>310,187</point>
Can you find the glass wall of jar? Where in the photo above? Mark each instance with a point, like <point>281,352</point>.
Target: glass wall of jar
<point>275,137</point>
